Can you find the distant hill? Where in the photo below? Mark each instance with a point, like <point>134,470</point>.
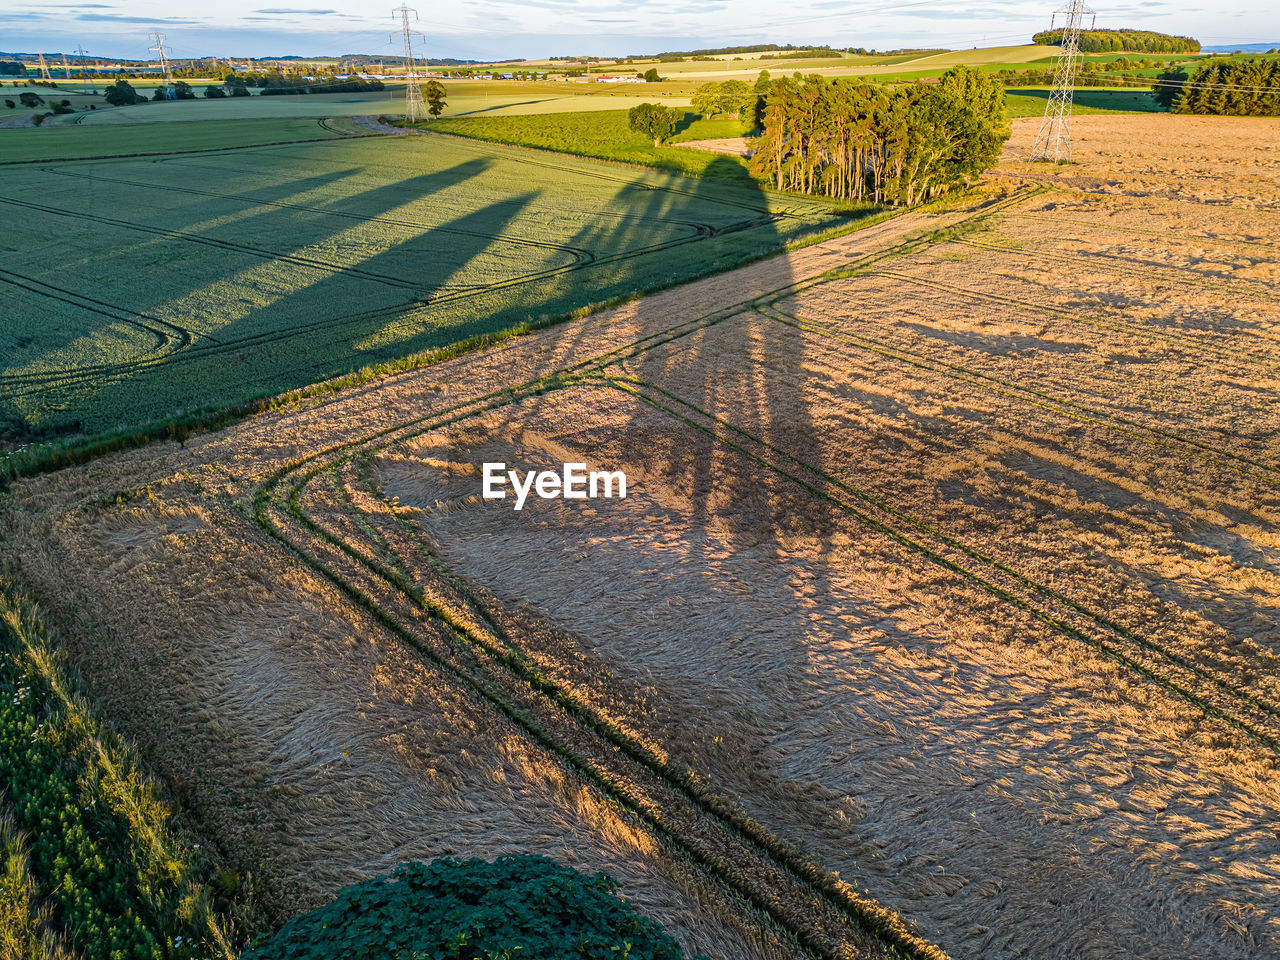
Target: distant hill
<point>1123,40</point>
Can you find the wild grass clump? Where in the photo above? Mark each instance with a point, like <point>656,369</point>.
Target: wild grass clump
<point>106,869</point>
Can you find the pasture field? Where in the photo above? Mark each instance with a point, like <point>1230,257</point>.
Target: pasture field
<point>604,134</point>
<point>941,614</point>
<point>1030,101</point>
<point>146,288</point>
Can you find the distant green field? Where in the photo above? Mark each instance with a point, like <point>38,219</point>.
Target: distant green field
<point>1030,101</point>
<point>503,98</point>
<point>69,142</point>
<point>604,134</point>
<point>144,288</point>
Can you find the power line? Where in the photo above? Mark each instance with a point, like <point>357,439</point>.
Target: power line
<point>1053,142</point>
<point>1193,84</point>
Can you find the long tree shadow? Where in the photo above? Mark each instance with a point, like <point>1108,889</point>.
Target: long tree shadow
<point>430,280</point>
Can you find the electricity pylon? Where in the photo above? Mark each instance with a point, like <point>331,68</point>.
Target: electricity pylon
<point>158,47</point>
<point>44,68</point>
<point>1053,142</point>
<point>88,83</point>
<point>414,108</point>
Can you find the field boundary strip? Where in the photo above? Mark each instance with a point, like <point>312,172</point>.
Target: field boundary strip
<point>503,146</point>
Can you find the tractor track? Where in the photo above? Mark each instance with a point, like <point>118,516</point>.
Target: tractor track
<point>1119,265</point>
<point>709,831</point>
<point>1202,687</point>
<point>1166,439</point>
<point>1186,342</point>
<point>307,507</point>
<point>169,337</point>
<point>188,351</point>
<point>812,909</point>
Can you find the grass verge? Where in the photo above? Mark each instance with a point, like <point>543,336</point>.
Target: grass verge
<point>108,873</point>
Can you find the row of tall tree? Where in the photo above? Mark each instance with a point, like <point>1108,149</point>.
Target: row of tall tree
<point>1235,88</point>
<point>1129,41</point>
<point>854,140</point>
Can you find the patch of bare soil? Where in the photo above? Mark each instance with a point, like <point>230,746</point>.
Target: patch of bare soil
<point>729,146</point>
<point>955,572</point>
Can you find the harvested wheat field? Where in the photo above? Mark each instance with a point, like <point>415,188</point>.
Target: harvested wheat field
<point>940,616</point>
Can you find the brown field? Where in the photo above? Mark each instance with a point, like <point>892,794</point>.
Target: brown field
<point>950,566</point>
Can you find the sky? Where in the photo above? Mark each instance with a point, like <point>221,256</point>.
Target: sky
<point>530,29</point>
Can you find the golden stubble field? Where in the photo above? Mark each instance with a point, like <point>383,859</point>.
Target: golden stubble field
<point>951,566</point>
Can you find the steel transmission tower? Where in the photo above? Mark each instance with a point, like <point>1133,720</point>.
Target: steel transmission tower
<point>1053,142</point>
<point>414,108</point>
<point>88,83</point>
<point>158,47</point>
<point>44,68</point>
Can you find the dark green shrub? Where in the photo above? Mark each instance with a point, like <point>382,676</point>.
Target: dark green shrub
<point>515,908</point>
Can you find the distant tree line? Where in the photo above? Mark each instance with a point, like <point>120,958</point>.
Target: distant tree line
<point>1234,88</point>
<point>722,51</point>
<point>851,139</point>
<point>354,85</point>
<point>1128,41</point>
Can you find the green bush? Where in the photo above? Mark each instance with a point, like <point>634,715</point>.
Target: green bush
<point>514,908</point>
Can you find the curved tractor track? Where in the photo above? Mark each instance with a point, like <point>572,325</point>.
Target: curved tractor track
<point>304,508</point>
<point>382,564</point>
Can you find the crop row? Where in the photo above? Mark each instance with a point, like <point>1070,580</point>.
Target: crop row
<point>1144,271</point>
<point>1115,324</point>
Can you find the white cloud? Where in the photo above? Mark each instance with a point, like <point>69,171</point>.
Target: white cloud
<point>534,28</point>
